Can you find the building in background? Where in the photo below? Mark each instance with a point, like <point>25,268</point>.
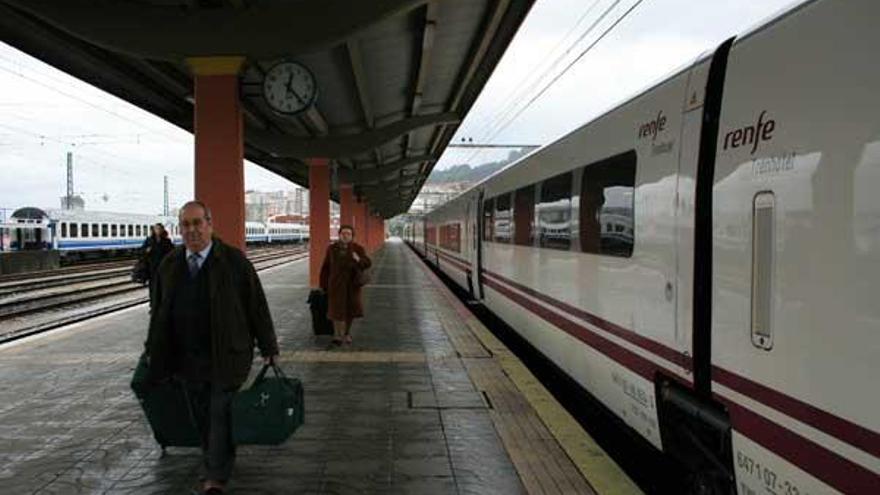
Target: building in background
<point>260,206</point>
<point>290,206</point>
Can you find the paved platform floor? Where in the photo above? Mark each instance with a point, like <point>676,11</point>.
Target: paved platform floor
<point>417,405</point>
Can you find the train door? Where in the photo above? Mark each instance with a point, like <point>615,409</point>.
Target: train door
<point>477,244</point>
<point>796,267</point>
<point>694,428</point>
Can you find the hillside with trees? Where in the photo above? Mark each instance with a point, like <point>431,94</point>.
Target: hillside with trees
<point>467,173</point>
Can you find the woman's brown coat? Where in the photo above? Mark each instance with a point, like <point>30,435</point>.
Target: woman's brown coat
<point>337,279</point>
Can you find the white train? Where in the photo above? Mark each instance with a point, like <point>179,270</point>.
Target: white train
<point>85,234</point>
<point>714,282</point>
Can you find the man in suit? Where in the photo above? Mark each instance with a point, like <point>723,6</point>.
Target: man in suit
<point>210,310</point>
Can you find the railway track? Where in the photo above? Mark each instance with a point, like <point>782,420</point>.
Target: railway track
<point>37,308</point>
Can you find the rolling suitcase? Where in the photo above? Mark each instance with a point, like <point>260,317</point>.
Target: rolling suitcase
<point>321,325</point>
<point>167,408</point>
<point>269,411</point>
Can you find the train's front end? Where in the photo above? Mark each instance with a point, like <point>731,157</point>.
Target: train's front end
<point>27,229</point>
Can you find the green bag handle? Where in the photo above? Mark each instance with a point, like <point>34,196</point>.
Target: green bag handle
<point>278,372</point>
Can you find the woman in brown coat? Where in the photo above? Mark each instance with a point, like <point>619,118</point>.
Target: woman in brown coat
<point>339,273</point>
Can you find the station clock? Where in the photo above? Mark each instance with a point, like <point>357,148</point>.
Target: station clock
<point>289,88</point>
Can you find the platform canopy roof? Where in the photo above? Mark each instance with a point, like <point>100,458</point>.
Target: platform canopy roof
<point>395,77</point>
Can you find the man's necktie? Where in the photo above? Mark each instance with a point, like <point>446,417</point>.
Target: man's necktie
<point>193,262</point>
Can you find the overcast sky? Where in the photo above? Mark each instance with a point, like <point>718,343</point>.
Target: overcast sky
<point>122,153</point>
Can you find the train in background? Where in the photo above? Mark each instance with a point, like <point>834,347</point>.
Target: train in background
<point>80,234</point>
<point>704,259</point>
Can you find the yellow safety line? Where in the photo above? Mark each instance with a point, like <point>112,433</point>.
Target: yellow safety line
<point>595,465</point>
<point>603,474</point>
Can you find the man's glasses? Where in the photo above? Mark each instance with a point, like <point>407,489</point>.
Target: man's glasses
<point>195,223</point>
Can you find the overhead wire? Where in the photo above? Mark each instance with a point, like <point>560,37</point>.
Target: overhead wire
<point>523,90</point>
<point>512,99</point>
<point>20,73</point>
<point>571,64</point>
<point>546,66</point>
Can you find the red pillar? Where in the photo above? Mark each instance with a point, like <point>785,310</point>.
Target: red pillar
<point>376,238</point>
<point>319,216</point>
<point>370,236</point>
<point>346,204</point>
<point>360,223</point>
<point>219,144</point>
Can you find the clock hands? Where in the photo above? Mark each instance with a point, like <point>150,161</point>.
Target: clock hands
<point>290,90</point>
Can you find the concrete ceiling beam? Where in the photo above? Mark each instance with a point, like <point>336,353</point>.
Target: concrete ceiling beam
<point>261,30</point>
<point>334,147</point>
<point>387,171</point>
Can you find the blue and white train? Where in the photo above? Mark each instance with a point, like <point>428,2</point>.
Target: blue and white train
<point>91,234</point>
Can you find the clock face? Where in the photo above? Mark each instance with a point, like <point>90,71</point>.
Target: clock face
<point>289,88</point>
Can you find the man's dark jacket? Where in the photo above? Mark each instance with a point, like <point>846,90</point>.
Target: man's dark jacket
<point>239,316</point>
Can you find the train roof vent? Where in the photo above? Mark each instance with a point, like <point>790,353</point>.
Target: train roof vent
<point>30,213</point>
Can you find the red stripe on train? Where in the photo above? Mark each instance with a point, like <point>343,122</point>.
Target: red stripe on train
<point>802,452</point>
<point>625,357</point>
<point>649,345</point>
<point>837,471</point>
<point>849,432</point>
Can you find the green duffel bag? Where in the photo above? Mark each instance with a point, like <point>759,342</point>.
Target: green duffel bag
<point>269,411</point>
<point>167,408</point>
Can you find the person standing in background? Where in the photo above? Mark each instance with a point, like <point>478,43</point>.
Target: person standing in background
<point>339,275</point>
<point>155,248</point>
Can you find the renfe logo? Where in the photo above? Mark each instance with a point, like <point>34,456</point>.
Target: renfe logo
<point>753,134</point>
<point>653,127</point>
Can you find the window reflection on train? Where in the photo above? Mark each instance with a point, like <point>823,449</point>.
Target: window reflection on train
<point>542,214</point>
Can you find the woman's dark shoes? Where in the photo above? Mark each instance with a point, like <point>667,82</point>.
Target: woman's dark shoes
<point>348,339</point>
<point>337,342</point>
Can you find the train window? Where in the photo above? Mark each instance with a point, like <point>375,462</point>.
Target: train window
<point>84,229</point>
<point>113,231</point>
<point>450,237</point>
<point>137,230</point>
<point>763,241</point>
<point>503,219</point>
<point>607,206</point>
<point>131,230</point>
<point>488,219</point>
<point>554,212</point>
<point>63,229</point>
<point>74,230</point>
<point>523,215</point>
<point>105,230</point>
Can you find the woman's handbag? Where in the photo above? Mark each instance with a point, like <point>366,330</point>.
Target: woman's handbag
<point>269,411</point>
<point>361,277</point>
<point>140,273</point>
